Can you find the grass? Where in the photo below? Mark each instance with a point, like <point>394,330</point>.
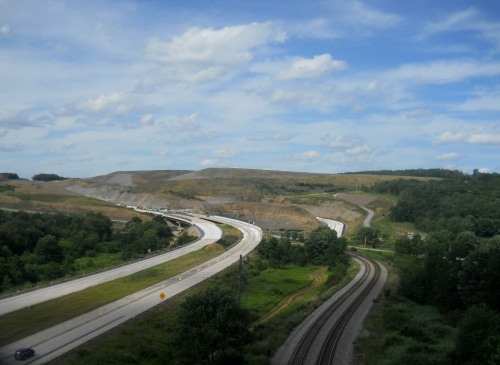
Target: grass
<point>272,285</point>
<point>151,346</point>
<point>399,331</point>
<point>27,321</point>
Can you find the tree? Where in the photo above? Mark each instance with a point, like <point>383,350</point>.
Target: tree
<point>478,336</point>
<point>48,250</point>
<point>210,323</point>
<point>324,247</point>
<point>369,236</point>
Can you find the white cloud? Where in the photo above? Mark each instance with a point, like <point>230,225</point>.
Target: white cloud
<point>474,138</point>
<point>360,15</point>
<point>4,30</point>
<point>208,162</point>
<point>470,19</point>
<point>308,155</point>
<point>457,19</point>
<point>448,156</point>
<point>486,102</point>
<point>148,119</point>
<point>188,123</point>
<point>116,103</point>
<point>441,72</point>
<point>201,55</point>
<point>359,150</point>
<point>343,142</point>
<point>311,68</point>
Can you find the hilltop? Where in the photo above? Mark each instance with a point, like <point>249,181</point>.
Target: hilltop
<point>271,199</point>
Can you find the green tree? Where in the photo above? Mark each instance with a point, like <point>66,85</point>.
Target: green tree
<point>209,323</point>
<point>48,250</point>
<point>369,236</point>
<point>324,247</point>
<point>478,336</point>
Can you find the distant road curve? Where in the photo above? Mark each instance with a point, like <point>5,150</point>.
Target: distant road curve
<point>369,217</point>
<point>337,226</point>
<point>59,339</point>
<point>211,234</point>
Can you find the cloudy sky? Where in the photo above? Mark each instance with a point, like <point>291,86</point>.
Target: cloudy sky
<point>96,86</point>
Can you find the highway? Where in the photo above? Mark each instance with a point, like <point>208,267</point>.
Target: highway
<point>59,339</point>
<point>212,233</point>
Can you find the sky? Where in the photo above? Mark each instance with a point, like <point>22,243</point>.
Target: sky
<point>90,87</point>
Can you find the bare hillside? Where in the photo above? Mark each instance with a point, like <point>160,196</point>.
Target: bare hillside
<point>234,173</point>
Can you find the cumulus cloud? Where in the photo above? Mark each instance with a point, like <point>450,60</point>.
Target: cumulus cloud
<point>308,155</point>
<point>358,150</point>
<point>208,162</point>
<point>311,68</point>
<point>116,103</point>
<point>474,138</point>
<point>448,156</point>
<point>201,55</point>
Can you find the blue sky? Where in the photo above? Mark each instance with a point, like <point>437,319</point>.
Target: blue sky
<point>92,87</point>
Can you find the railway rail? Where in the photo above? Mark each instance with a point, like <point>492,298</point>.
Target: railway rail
<point>321,340</point>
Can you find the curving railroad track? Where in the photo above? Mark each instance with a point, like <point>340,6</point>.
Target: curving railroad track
<point>320,340</point>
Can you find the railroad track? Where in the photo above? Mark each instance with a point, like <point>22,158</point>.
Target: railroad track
<point>319,344</point>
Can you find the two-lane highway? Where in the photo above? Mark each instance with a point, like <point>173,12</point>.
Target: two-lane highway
<point>61,338</point>
<point>211,234</point>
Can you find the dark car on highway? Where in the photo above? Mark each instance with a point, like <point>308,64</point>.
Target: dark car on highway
<point>24,353</point>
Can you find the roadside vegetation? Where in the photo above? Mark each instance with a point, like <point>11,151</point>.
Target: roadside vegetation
<point>440,305</point>
<point>28,321</point>
<point>442,302</point>
<point>39,248</point>
<point>270,279</point>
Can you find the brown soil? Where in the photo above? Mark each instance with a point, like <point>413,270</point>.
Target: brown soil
<point>358,199</point>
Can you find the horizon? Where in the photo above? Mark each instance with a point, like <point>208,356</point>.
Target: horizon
<point>320,87</point>
<point>361,172</point>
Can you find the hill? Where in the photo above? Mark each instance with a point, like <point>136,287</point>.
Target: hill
<point>271,199</point>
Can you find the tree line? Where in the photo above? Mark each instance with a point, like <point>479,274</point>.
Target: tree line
<point>467,203</point>
<point>455,268</point>
<point>38,247</point>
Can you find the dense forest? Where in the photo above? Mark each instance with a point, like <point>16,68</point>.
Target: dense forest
<point>42,247</point>
<point>455,268</point>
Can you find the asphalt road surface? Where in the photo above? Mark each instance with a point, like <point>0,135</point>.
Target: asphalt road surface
<point>59,339</point>
<point>212,233</point>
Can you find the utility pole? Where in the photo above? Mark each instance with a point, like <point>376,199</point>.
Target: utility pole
<point>240,275</point>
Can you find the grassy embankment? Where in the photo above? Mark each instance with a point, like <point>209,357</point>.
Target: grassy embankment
<point>47,198</point>
<point>269,293</point>
<point>399,331</point>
